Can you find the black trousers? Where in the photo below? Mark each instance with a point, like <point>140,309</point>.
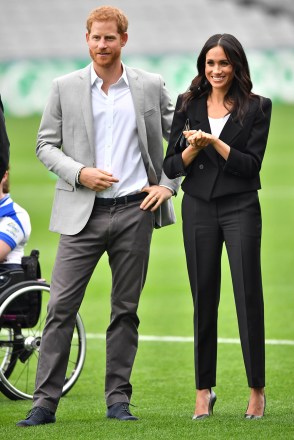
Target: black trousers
<point>236,221</point>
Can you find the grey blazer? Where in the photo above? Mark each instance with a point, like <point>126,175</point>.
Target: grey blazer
<point>66,142</point>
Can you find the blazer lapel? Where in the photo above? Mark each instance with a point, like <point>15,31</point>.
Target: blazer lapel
<point>230,131</point>
<point>137,92</point>
<point>200,121</point>
<point>86,104</point>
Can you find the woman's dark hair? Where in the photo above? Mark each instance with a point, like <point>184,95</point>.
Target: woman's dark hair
<point>6,185</point>
<point>239,93</point>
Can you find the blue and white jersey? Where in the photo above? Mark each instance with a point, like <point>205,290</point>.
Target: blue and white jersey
<point>15,229</point>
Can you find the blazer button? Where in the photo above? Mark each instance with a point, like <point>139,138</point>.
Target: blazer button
<point>201,166</point>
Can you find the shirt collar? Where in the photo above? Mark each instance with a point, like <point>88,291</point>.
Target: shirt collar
<point>3,200</point>
<point>99,81</point>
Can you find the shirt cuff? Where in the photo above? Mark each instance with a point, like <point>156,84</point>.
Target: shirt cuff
<point>78,176</point>
<point>165,186</point>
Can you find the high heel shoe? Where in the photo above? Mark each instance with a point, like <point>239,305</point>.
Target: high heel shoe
<point>212,401</point>
<point>253,416</point>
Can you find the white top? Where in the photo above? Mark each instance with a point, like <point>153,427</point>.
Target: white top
<point>116,137</point>
<point>217,124</point>
<point>15,229</point>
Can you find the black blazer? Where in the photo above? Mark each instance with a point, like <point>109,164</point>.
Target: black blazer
<point>4,143</point>
<point>209,175</point>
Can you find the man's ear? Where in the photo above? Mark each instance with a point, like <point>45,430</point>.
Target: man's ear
<point>123,39</point>
<point>5,177</point>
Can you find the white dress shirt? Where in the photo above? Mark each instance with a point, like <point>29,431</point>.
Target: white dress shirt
<point>116,138</point>
<point>217,124</point>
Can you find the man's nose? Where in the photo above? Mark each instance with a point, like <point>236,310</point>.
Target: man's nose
<point>102,43</point>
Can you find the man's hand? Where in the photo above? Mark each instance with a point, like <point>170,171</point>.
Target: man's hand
<point>156,196</point>
<point>96,179</point>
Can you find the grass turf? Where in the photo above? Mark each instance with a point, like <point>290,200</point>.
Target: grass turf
<point>163,376</point>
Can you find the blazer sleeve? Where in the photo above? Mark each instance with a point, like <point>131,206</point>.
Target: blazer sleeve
<point>50,139</point>
<point>246,161</point>
<point>173,164</point>
<point>167,112</point>
<point>4,143</point>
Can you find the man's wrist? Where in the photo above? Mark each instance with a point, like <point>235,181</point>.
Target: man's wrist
<point>171,190</point>
<point>78,175</point>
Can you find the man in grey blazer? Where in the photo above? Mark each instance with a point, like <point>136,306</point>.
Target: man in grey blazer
<point>101,134</point>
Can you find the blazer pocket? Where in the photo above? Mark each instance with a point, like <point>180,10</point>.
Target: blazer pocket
<point>149,112</point>
<point>62,184</point>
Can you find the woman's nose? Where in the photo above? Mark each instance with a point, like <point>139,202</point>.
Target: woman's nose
<point>217,68</point>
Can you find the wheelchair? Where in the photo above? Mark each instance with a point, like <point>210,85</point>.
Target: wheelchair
<point>24,296</point>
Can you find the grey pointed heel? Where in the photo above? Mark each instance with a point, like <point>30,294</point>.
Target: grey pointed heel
<point>253,416</point>
<point>212,401</point>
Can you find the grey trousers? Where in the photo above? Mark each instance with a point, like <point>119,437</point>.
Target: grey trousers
<point>124,232</point>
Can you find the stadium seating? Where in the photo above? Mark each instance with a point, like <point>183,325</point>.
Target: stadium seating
<point>37,29</point>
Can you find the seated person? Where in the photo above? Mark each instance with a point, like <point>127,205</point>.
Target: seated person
<point>15,229</point>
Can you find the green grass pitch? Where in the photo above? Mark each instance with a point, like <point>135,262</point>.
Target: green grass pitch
<point>163,375</point>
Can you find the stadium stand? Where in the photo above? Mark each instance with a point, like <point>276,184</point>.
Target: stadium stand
<point>35,29</point>
<point>272,6</point>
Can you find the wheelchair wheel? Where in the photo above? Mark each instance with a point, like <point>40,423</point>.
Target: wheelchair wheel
<point>23,310</point>
<point>7,353</point>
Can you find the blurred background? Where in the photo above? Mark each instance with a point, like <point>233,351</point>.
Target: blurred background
<point>41,40</point>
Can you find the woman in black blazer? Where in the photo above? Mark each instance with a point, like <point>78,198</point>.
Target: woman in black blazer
<point>221,160</point>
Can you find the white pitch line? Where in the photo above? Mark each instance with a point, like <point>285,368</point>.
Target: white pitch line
<point>150,338</point>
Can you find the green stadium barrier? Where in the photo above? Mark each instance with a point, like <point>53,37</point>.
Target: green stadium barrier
<point>25,84</point>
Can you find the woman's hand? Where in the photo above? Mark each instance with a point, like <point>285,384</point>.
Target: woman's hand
<point>198,139</point>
